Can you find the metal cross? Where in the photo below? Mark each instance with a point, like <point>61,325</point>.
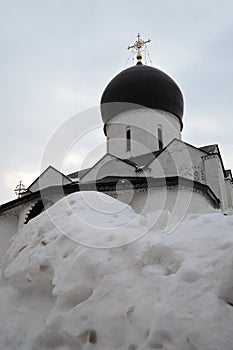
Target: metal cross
<point>139,43</point>
<point>20,189</point>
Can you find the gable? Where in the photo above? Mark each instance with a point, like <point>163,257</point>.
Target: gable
<point>109,165</point>
<point>179,159</point>
<point>50,177</point>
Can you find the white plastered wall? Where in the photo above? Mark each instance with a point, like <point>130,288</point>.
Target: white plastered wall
<point>179,159</point>
<point>144,124</point>
<point>8,227</point>
<point>50,177</point>
<point>109,166</point>
<point>179,201</point>
<point>24,210</point>
<point>228,185</point>
<point>215,178</point>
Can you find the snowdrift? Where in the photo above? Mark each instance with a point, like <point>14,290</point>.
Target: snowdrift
<point>89,273</point>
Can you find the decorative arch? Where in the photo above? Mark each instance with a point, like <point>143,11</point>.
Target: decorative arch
<point>35,210</point>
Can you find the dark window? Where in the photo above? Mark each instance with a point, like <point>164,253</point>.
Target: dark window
<point>128,140</point>
<point>160,138</point>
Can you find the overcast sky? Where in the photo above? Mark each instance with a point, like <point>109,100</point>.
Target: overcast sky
<point>57,56</point>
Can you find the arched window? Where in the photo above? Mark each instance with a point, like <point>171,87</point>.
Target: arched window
<point>160,137</point>
<point>128,140</point>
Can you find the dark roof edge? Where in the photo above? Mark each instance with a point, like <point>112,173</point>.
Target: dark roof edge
<point>108,184</point>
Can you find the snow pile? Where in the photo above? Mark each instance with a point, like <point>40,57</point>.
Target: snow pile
<point>166,290</point>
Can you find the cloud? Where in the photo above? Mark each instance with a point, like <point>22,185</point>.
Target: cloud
<point>58,56</point>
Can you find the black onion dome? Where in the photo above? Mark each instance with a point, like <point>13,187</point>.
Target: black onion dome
<point>143,86</point>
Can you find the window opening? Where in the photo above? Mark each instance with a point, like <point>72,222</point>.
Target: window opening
<point>128,140</point>
<point>160,138</point>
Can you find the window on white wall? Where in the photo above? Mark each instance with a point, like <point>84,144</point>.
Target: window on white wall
<point>128,140</point>
<point>160,137</point>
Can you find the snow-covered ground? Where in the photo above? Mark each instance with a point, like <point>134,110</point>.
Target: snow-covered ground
<point>80,276</point>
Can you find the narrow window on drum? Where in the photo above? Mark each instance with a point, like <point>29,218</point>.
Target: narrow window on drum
<point>128,140</point>
<point>160,137</point>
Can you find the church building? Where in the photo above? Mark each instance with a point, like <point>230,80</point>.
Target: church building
<point>146,165</point>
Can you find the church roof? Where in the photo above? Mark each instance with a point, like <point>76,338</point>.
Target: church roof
<point>141,86</point>
<point>143,160</point>
<point>229,174</point>
<point>210,148</point>
<point>78,174</point>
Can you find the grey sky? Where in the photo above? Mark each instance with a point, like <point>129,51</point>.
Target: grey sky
<point>57,57</point>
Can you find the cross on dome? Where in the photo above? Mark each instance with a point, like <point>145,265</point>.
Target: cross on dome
<point>139,43</point>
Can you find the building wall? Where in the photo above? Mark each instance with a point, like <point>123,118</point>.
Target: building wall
<point>232,193</point>
<point>24,210</point>
<point>179,201</point>
<point>48,201</point>
<point>109,166</point>
<point>143,124</point>
<point>228,185</point>
<point>8,227</point>
<point>50,177</point>
<point>215,178</point>
<point>179,159</point>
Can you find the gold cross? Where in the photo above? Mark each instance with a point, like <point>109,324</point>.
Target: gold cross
<point>139,43</point>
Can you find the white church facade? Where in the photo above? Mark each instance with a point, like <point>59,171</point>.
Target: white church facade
<point>147,165</point>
